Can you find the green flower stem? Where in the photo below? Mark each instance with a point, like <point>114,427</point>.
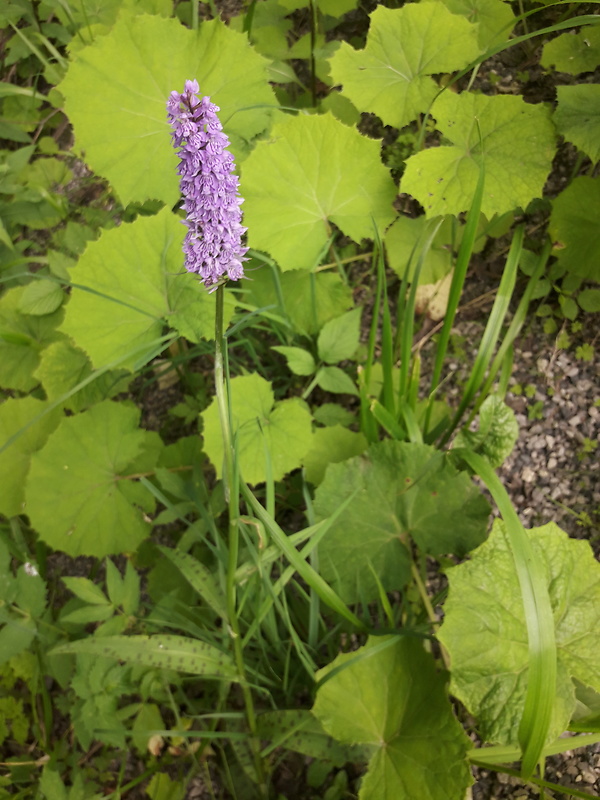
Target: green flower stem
<point>233,500</point>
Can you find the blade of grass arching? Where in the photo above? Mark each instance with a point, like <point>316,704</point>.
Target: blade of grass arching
<point>314,609</point>
<point>503,754</point>
<point>492,330</point>
<point>407,324</point>
<point>563,791</point>
<point>460,271</point>
<point>317,532</point>
<point>387,338</point>
<point>516,324</point>
<point>325,592</point>
<point>539,620</point>
<point>367,422</point>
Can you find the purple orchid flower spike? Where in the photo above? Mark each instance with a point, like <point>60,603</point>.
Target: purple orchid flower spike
<point>213,245</point>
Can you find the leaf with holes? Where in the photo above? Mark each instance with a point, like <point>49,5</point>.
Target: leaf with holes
<point>403,492</point>
<point>485,633</point>
<point>400,711</point>
<point>85,464</point>
<point>123,129</point>
<point>513,139</point>
<point>405,46</point>
<point>266,432</point>
<point>313,170</point>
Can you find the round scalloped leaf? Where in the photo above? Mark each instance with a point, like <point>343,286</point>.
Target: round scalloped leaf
<point>492,17</point>
<point>312,171</point>
<point>577,117</point>
<point>15,459</point>
<point>399,709</point>
<point>123,128</point>
<point>128,284</point>
<point>485,633</point>
<point>573,53</point>
<point>518,146</point>
<point>77,491</point>
<point>330,446</point>
<point>402,491</point>
<point>391,76</point>
<point>574,227</point>
<point>263,429</point>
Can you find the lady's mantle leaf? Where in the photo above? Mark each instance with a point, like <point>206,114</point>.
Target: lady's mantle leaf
<point>128,283</point>
<point>578,117</point>
<point>123,128</point>
<point>399,709</point>
<point>15,459</point>
<point>403,492</point>
<point>485,633</point>
<point>573,53</point>
<point>391,76</point>
<point>575,230</point>
<point>77,492</point>
<point>516,148</point>
<point>280,432</point>
<point>313,170</point>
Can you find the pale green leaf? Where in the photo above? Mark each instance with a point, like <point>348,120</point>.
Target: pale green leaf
<point>85,464</point>
<point>299,361</point>
<point>404,492</point>
<point>589,299</point>
<point>485,633</point>
<point>262,428</point>
<point>41,297</point>
<point>63,366</point>
<point>313,170</point>
<point>333,414</point>
<point>123,129</point>
<point>573,53</point>
<point>86,590</point>
<point>22,338</point>
<point>516,148</point>
<point>336,381</point>
<point>492,17</point>
<point>405,241</point>
<point>574,227</point>
<point>128,284</point>
<point>389,696</point>
<point>15,459</point>
<point>338,339</point>
<point>405,46</point>
<point>330,446</point>
<point>311,299</point>
<point>497,433</point>
<point>166,652</point>
<point>577,117</point>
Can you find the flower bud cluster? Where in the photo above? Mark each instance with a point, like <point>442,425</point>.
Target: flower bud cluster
<point>213,245</point>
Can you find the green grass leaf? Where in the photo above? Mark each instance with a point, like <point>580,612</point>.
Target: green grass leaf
<point>391,76</point>
<point>574,227</point>
<point>310,171</point>
<point>518,146</point>
<point>85,463</point>
<point>130,282</point>
<point>405,491</point>
<point>399,709</point>
<point>485,632</point>
<point>261,428</point>
<point>123,129</point>
<point>577,117</point>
